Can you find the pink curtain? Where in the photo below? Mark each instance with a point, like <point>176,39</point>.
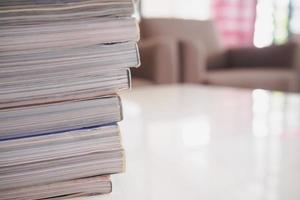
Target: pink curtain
<point>235,21</point>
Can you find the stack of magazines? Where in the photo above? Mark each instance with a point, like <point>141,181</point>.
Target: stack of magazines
<point>62,63</point>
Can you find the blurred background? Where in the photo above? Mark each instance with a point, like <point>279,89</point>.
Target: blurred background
<point>236,43</point>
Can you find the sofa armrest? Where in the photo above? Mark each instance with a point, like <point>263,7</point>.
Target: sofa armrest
<point>159,60</point>
<point>193,61</point>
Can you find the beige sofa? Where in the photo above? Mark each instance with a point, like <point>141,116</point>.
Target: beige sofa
<point>202,59</point>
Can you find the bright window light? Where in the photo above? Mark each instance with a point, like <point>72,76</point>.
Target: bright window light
<point>272,21</point>
<point>264,27</point>
<point>295,18</point>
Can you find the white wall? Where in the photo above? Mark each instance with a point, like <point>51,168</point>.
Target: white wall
<point>189,9</point>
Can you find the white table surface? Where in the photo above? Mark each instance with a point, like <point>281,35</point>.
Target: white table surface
<point>193,142</point>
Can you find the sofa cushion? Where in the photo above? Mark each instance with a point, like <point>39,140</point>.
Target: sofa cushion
<point>272,56</point>
<point>271,78</point>
<point>217,60</point>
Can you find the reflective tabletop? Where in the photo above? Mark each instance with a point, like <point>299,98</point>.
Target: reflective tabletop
<point>195,142</point>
